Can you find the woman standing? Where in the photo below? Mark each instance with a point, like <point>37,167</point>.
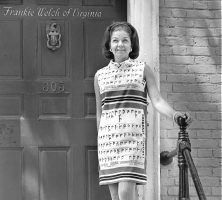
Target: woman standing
<point>121,90</point>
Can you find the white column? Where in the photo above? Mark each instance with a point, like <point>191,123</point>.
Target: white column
<point>144,16</point>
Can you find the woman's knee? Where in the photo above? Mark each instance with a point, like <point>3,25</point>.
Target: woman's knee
<point>127,190</point>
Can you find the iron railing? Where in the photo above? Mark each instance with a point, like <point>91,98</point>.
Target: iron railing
<point>185,161</point>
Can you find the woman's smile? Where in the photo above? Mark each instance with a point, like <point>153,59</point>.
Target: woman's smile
<point>120,50</point>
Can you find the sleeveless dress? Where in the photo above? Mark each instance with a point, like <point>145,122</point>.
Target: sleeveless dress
<point>122,129</point>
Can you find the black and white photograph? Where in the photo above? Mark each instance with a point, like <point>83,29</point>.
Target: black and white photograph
<point>110,100</point>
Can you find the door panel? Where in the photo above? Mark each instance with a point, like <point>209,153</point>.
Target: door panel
<point>47,103</point>
<point>11,59</point>
<point>11,176</point>
<point>53,173</point>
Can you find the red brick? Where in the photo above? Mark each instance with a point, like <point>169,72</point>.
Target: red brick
<point>217,153</point>
<point>203,116</point>
<point>166,125</point>
<point>205,23</point>
<point>202,69</point>
<point>208,125</point>
<point>204,171</point>
<point>189,97</point>
<point>214,198</point>
<point>178,78</point>
<point>176,22</point>
<point>210,181</point>
<point>219,70</point>
<point>214,42</point>
<point>164,12</point>
<point>210,134</point>
<point>163,191</point>
<point>166,50</point>
<point>179,13</point>
<point>169,181</point>
<point>216,78</point>
<point>202,78</point>
<point>172,31</point>
<point>216,191</point>
<point>208,162</point>
<point>200,51</point>
<point>200,5</point>
<point>217,14</point>
<point>179,50</point>
<point>174,69</point>
<point>161,3</point>
<point>201,42</point>
<point>204,153</point>
<point>180,59</point>
<point>163,78</point>
<point>214,5</point>
<point>208,59</point>
<point>217,171</point>
<point>218,51</point>
<point>207,191</point>
<point>169,197</point>
<point>204,144</point>
<point>178,4</point>
<point>166,87</point>
<point>173,191</point>
<point>200,14</point>
<point>217,115</point>
<point>199,88</point>
<point>202,32</point>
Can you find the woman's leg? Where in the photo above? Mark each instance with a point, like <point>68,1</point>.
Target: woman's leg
<point>127,191</point>
<point>136,194</point>
<point>113,188</point>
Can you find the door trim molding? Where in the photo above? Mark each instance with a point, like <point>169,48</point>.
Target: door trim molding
<point>144,15</point>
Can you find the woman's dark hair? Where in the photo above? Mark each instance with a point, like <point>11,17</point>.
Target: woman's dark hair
<point>133,37</point>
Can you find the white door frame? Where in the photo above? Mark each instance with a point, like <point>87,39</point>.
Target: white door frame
<point>144,16</point>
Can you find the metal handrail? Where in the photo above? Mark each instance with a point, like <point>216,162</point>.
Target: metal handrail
<point>185,161</point>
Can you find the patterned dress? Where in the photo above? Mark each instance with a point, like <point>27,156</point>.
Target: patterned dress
<point>122,129</point>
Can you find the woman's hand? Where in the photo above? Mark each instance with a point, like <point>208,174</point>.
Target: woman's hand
<point>186,116</point>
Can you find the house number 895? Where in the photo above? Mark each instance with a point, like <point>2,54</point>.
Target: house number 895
<point>53,86</point>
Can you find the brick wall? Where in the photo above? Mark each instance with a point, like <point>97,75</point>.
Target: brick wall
<point>190,74</point>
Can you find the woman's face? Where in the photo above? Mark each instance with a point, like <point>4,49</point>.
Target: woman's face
<point>120,45</point>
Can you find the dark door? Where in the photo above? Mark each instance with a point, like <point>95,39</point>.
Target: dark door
<point>47,104</point>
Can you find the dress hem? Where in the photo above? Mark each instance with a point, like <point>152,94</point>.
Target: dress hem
<point>138,182</point>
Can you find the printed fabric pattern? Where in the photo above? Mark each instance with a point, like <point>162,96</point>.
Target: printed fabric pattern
<point>122,129</point>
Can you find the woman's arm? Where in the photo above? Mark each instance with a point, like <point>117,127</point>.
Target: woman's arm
<point>98,101</point>
<point>157,100</point>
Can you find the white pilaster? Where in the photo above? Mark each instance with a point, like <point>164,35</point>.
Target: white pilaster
<point>144,16</point>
